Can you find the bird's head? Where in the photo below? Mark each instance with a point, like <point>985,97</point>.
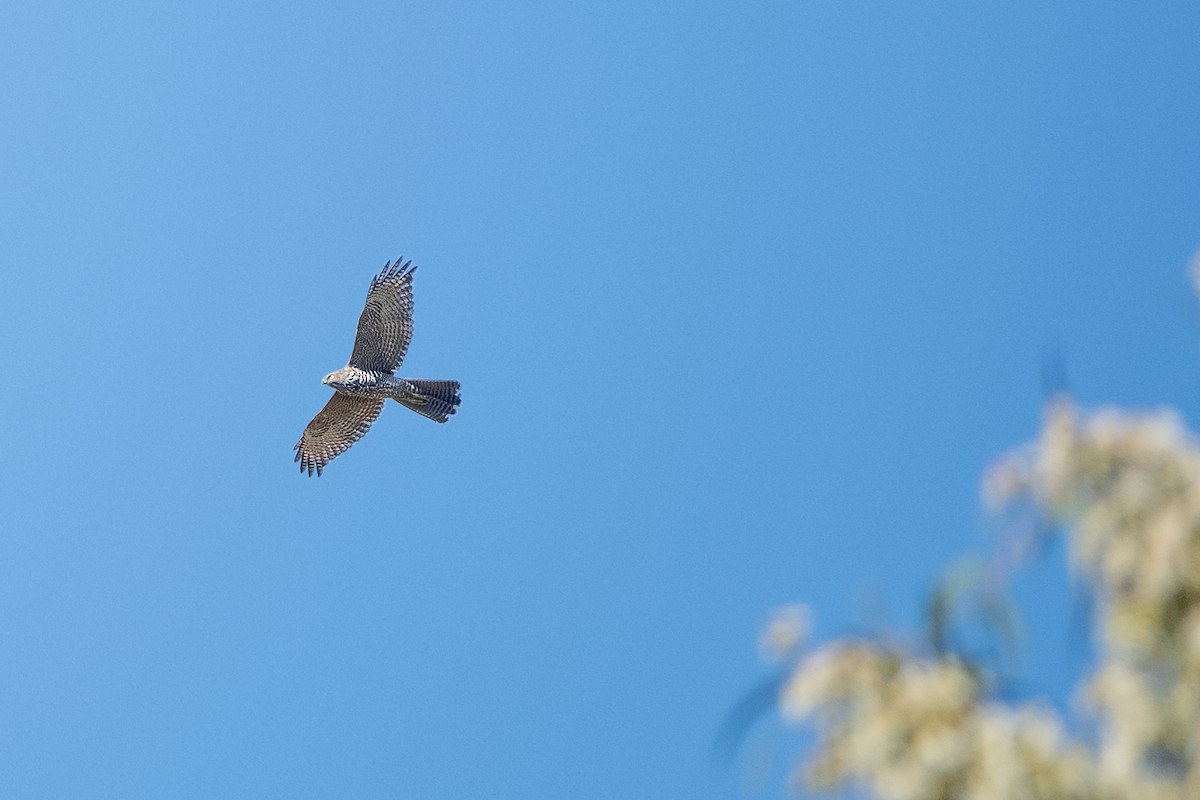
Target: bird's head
<point>335,379</point>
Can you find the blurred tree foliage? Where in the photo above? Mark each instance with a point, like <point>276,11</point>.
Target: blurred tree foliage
<point>900,723</point>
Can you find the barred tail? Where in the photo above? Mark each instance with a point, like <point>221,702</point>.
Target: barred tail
<point>434,399</point>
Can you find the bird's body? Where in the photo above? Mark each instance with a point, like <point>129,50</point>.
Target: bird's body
<point>363,385</point>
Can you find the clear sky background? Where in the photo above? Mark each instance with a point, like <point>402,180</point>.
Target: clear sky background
<point>743,299</point>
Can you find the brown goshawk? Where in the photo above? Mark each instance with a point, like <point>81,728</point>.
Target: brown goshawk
<point>361,387</point>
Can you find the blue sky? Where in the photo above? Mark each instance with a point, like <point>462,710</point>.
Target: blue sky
<point>743,298</point>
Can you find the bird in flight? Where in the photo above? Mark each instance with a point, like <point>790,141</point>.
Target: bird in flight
<point>361,387</point>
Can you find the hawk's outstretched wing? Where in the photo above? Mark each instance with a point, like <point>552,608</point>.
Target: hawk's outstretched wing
<point>343,421</point>
<point>385,327</point>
